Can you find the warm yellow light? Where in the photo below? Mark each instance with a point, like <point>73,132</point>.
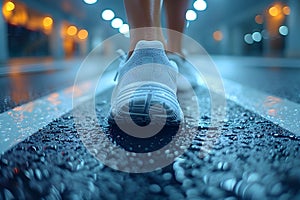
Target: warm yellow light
<point>72,30</point>
<point>47,22</point>
<point>286,10</point>
<point>218,35</point>
<point>273,11</point>
<point>83,34</point>
<point>20,17</point>
<point>259,19</point>
<point>6,14</point>
<point>9,6</point>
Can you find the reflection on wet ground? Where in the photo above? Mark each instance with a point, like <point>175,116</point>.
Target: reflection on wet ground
<point>19,88</point>
<point>280,81</point>
<point>270,104</point>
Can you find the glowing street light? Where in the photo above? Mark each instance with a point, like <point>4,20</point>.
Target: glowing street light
<point>200,5</point>
<point>90,1</point>
<point>248,38</point>
<point>273,11</point>
<point>47,22</point>
<point>72,30</point>
<point>124,29</point>
<point>256,36</point>
<point>108,15</point>
<point>82,34</point>
<point>9,6</point>
<point>191,15</point>
<point>116,23</point>
<point>283,30</point>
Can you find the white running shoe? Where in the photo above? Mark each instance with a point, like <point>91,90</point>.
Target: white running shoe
<point>146,89</point>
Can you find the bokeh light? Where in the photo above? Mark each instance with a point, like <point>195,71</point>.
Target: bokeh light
<point>108,15</point>
<point>15,13</point>
<point>191,15</point>
<point>200,5</point>
<point>90,1</point>
<point>274,11</point>
<point>283,30</point>
<point>124,29</point>
<point>218,35</point>
<point>72,30</point>
<point>259,19</point>
<point>286,10</point>
<point>9,6</point>
<point>116,23</point>
<point>83,34</point>
<point>256,36</point>
<point>265,34</point>
<point>47,22</point>
<point>248,38</point>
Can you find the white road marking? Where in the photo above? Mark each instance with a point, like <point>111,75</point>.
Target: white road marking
<point>279,111</point>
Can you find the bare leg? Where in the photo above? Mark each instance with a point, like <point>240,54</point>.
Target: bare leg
<point>144,20</point>
<point>175,10</point>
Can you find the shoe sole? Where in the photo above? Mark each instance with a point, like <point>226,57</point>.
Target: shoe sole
<point>151,101</point>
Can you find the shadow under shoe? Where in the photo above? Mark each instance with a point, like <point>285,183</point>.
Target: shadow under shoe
<point>149,105</point>
<point>141,145</point>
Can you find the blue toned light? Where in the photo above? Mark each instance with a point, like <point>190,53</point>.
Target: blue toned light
<point>191,15</point>
<point>256,36</point>
<point>108,15</point>
<point>90,1</point>
<point>124,29</point>
<point>283,30</point>
<point>200,5</point>
<point>248,39</point>
<point>116,23</point>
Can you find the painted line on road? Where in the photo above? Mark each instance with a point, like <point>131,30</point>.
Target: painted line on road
<point>21,122</point>
<point>279,111</point>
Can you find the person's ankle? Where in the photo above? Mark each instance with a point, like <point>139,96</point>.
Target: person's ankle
<point>133,44</point>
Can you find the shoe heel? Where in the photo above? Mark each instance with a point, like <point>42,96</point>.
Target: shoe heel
<point>151,101</point>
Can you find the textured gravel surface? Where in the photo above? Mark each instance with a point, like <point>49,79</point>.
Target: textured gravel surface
<point>251,159</point>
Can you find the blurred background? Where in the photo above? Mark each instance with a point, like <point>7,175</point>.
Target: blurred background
<point>37,30</point>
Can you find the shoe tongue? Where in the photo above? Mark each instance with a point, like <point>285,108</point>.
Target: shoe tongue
<point>143,44</point>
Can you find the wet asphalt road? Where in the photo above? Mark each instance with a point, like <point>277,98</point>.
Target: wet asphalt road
<point>251,159</point>
<point>22,88</point>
